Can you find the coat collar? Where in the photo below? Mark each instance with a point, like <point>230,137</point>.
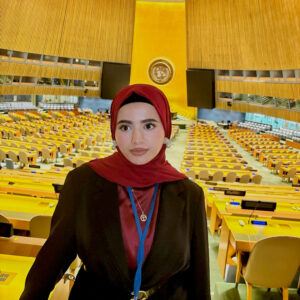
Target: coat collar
<point>107,212</point>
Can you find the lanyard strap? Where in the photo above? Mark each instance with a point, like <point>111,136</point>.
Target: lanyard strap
<point>142,237</point>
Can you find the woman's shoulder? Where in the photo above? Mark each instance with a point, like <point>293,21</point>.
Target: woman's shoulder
<point>191,185</point>
<point>187,187</point>
<point>82,174</point>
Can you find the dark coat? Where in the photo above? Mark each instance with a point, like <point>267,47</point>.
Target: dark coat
<point>86,222</point>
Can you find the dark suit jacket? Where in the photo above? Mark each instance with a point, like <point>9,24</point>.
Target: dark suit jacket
<point>86,222</point>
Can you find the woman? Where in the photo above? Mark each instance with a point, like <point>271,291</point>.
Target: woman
<point>137,224</point>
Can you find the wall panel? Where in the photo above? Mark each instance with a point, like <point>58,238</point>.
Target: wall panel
<point>46,90</point>
<point>269,111</point>
<point>48,71</point>
<point>91,29</point>
<point>243,34</point>
<point>280,90</point>
<point>160,33</point>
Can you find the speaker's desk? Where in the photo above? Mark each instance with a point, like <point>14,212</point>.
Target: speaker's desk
<point>237,236</point>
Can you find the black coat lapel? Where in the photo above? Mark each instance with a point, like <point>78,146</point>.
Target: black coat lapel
<point>108,227</point>
<point>170,213</point>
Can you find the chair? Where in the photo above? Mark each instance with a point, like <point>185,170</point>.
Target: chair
<point>89,142</point>
<point>273,263</point>
<point>230,177</point>
<point>257,179</point>
<point>217,176</point>
<point>97,154</point>
<point>203,175</point>
<point>225,167</point>
<point>68,162</point>
<point>202,165</point>
<point>79,162</point>
<point>23,158</point>
<point>190,174</point>
<point>84,153</point>
<point>2,155</point>
<point>40,226</point>
<point>77,145</point>
<point>63,150</point>
<point>46,156</point>
<point>277,167</point>
<point>237,167</point>
<point>13,156</point>
<point>245,178</point>
<point>290,174</point>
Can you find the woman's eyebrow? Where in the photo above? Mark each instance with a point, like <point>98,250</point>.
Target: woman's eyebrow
<point>149,120</point>
<point>124,122</point>
<point>130,122</point>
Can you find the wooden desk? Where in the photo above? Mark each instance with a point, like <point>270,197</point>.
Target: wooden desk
<point>236,238</point>
<point>19,210</point>
<point>28,189</point>
<point>220,208</point>
<point>21,245</point>
<point>16,267</point>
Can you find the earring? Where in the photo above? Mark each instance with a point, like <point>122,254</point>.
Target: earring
<point>114,144</point>
<point>167,142</point>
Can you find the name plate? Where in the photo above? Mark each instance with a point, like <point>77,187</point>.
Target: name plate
<point>235,193</point>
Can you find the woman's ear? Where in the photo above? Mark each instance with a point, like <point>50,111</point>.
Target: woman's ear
<point>114,144</point>
<point>167,142</point>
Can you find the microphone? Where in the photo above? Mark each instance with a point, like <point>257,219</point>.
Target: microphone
<point>255,207</point>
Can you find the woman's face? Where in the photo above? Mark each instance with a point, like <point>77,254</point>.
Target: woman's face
<point>139,132</point>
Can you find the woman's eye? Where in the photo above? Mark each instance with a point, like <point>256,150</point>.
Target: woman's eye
<point>149,126</point>
<point>124,127</point>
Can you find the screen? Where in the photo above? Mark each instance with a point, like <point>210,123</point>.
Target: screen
<point>201,88</point>
<point>258,205</point>
<point>115,76</point>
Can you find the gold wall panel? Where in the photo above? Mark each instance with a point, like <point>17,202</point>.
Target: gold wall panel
<point>29,89</point>
<point>243,34</point>
<point>48,71</point>
<point>260,109</point>
<point>280,90</point>
<point>91,29</point>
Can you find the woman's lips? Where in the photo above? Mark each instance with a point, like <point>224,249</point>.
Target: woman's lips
<point>138,151</point>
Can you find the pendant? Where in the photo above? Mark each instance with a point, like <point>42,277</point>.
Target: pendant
<point>143,217</point>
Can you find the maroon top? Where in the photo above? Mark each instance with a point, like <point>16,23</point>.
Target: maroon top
<point>130,235</point>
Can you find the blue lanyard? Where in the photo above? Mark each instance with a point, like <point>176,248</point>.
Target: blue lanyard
<point>142,238</point>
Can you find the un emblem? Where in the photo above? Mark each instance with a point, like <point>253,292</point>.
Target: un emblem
<point>160,71</point>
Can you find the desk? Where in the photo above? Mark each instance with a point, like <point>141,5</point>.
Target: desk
<point>28,189</point>
<point>21,245</point>
<point>235,238</point>
<point>19,210</point>
<point>284,210</point>
<point>17,267</point>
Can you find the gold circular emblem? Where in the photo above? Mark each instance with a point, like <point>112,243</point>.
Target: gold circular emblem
<point>160,71</point>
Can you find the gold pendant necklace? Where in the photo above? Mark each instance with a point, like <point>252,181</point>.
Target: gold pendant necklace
<point>143,216</point>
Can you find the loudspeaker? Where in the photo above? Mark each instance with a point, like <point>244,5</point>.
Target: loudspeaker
<point>115,76</point>
<point>201,88</point>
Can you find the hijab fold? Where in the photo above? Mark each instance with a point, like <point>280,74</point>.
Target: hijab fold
<point>116,167</point>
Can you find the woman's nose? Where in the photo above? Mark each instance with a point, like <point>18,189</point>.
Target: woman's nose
<point>137,136</point>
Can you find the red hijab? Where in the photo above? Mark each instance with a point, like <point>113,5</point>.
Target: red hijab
<point>116,167</point>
